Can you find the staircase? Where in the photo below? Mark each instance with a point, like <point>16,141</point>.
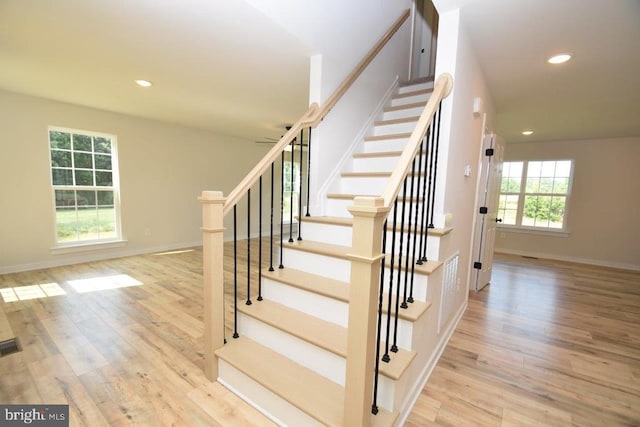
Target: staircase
<point>290,357</point>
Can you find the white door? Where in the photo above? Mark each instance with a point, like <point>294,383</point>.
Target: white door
<point>425,38</point>
<point>487,218</point>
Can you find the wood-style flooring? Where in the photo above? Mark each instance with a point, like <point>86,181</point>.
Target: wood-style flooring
<point>546,343</point>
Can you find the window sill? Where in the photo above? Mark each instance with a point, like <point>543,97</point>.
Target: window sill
<point>549,233</point>
<point>88,246</point>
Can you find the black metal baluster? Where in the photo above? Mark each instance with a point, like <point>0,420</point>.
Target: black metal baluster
<point>281,206</point>
<point>406,262</point>
<point>423,205</point>
<point>271,224</point>
<point>308,168</point>
<point>248,247</point>
<point>293,149</point>
<point>394,347</point>
<point>385,357</point>
<point>300,187</point>
<point>425,218</point>
<point>435,168</point>
<point>374,405</point>
<point>415,228</point>
<point>260,242</point>
<point>235,274</point>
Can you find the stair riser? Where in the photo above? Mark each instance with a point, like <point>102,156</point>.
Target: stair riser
<point>415,87</point>
<point>375,164</point>
<point>401,114</point>
<point>320,361</point>
<point>391,129</point>
<point>363,185</point>
<point>340,235</point>
<point>396,144</point>
<point>325,308</point>
<point>339,208</point>
<point>263,399</point>
<point>339,269</point>
<point>410,100</point>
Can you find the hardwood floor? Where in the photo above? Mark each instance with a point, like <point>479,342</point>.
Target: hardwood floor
<point>546,344</point>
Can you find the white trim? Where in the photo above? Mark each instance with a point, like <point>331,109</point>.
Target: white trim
<point>414,394</point>
<point>577,260</point>
<point>357,142</point>
<point>96,256</point>
<point>88,246</point>
<point>538,231</point>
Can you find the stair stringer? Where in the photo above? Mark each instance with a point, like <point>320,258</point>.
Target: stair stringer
<point>356,144</point>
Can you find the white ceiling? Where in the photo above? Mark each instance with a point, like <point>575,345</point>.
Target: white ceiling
<point>217,65</point>
<point>224,66</point>
<point>595,95</point>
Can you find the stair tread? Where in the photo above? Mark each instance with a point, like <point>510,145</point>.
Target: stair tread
<point>403,106</point>
<point>311,393</point>
<point>348,222</point>
<point>388,136</point>
<point>326,335</point>
<point>412,93</point>
<point>396,121</point>
<point>377,154</point>
<point>311,282</point>
<point>346,196</point>
<point>337,290</point>
<point>339,251</point>
<point>374,174</point>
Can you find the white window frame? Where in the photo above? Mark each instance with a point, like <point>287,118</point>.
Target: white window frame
<point>115,188</point>
<point>295,185</point>
<point>518,226</point>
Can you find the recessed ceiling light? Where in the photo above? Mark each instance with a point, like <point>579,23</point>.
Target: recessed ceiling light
<point>559,59</point>
<point>527,132</point>
<point>143,83</point>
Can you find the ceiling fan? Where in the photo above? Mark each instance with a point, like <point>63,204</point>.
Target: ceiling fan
<point>270,140</point>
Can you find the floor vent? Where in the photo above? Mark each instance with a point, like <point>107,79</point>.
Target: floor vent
<point>9,347</point>
<point>449,290</point>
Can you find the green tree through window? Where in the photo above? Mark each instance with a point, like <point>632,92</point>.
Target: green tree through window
<point>535,193</point>
<point>84,178</point>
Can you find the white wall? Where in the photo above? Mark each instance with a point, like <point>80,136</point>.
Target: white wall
<point>461,138</point>
<point>603,208</point>
<point>163,169</point>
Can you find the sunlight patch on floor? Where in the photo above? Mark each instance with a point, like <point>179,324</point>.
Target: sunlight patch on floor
<point>23,293</point>
<point>103,283</point>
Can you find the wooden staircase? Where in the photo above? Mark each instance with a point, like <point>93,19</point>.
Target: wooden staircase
<point>290,358</point>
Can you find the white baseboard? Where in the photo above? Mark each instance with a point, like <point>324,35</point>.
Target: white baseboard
<point>412,397</point>
<point>600,263</point>
<point>95,255</point>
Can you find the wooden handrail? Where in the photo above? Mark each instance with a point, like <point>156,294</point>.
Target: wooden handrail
<point>441,89</point>
<point>252,177</point>
<point>312,117</point>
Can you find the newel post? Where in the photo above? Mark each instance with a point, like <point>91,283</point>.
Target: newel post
<point>213,257</point>
<point>368,219</point>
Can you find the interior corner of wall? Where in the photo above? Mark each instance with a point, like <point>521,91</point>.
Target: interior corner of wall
<point>315,78</point>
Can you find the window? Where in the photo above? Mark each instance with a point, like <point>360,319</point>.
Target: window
<point>291,191</point>
<point>84,176</point>
<point>535,194</point>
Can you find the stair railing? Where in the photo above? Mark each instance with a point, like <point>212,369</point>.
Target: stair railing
<point>216,206</point>
<point>369,252</point>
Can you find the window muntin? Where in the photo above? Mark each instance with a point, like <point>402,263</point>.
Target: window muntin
<point>84,181</point>
<point>535,194</point>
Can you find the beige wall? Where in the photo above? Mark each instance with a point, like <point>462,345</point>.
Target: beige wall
<point>462,145</point>
<point>163,169</point>
<point>604,209</point>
